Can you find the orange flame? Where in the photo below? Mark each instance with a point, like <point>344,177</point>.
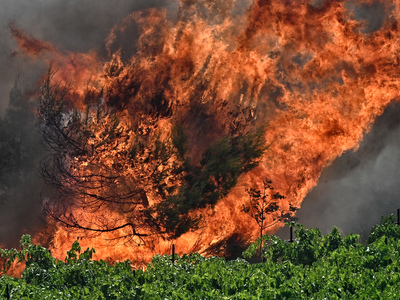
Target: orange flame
<point>76,70</point>
<point>307,69</point>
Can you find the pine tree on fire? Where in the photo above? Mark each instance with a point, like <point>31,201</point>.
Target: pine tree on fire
<point>112,172</point>
<point>89,165</point>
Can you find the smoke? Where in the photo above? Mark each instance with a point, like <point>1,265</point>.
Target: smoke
<point>74,26</point>
<point>359,187</point>
<point>372,16</point>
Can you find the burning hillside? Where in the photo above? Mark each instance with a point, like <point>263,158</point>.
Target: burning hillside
<point>166,124</point>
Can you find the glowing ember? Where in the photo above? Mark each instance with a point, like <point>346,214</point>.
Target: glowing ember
<point>308,70</point>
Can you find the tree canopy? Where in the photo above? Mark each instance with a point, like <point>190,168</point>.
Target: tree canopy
<point>115,170</point>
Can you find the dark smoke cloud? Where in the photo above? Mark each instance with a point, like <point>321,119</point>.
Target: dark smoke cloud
<point>372,16</point>
<point>74,25</point>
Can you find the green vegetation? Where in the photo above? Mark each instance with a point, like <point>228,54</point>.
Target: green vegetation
<point>203,185</point>
<point>313,266</point>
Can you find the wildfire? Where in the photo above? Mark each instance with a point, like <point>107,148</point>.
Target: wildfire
<point>308,69</point>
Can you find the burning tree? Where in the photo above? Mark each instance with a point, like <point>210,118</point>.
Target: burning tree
<point>115,172</point>
<point>91,166</point>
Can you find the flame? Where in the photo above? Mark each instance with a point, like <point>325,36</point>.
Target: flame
<point>77,70</point>
<point>308,69</point>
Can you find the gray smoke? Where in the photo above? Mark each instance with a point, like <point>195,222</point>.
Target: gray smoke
<point>73,25</point>
<point>359,187</point>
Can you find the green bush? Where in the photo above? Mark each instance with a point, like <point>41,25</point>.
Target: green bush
<point>313,266</point>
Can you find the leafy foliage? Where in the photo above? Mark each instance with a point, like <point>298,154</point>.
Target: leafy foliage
<point>313,266</point>
<point>387,227</point>
<point>220,167</point>
<point>309,246</point>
